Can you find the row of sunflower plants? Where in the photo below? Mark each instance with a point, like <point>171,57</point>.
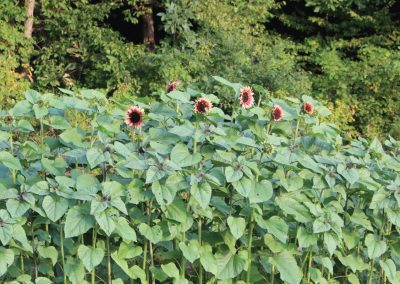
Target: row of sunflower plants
<point>177,191</point>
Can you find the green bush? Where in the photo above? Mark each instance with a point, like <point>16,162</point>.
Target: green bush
<point>210,198</point>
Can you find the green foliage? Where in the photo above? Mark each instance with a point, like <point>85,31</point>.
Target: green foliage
<point>190,197</point>
<point>344,53</point>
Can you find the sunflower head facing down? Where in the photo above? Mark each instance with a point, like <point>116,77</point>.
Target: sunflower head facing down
<point>134,117</point>
<point>173,85</point>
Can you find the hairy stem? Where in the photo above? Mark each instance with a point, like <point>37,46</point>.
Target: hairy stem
<point>62,253</point>
<point>199,236</point>
<point>371,270</point>
<point>249,247</point>
<point>94,246</point>
<point>296,132</point>
<point>273,274</point>
<point>309,266</point>
<point>108,260</point>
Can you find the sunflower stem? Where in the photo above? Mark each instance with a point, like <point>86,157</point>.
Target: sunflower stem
<point>273,274</point>
<point>371,270</point>
<point>22,263</point>
<point>296,132</point>
<point>94,246</point>
<point>249,246</point>
<point>108,260</point>
<point>309,266</point>
<point>200,243</point>
<point>62,253</point>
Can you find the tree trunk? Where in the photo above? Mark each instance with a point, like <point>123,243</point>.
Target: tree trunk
<point>148,28</point>
<point>30,6</point>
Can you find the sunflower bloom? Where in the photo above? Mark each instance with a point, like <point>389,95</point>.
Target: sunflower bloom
<point>246,97</point>
<point>173,85</point>
<point>202,106</point>
<point>134,117</point>
<point>308,108</point>
<point>277,112</point>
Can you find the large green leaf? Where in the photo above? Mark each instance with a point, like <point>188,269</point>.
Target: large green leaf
<point>233,175</point>
<point>95,157</point>
<point>237,225</point>
<point>202,193</point>
<point>190,251</point>
<point>276,226</point>
<point>106,221</point>
<point>10,161</point>
<point>48,252</point>
<point>75,270</point>
<point>261,192</point>
<point>153,234</point>
<point>390,269</point>
<point>287,266</point>
<point>78,221</point>
<point>180,155</point>
<point>17,207</point>
<point>55,207</point>
<point>6,259</point>
<point>244,186</point>
<point>230,264</point>
<point>91,257</point>
<point>208,260</point>
<point>375,248</point>
<point>6,229</point>
<point>123,228</point>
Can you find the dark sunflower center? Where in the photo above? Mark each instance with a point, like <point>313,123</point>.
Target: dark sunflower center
<point>202,107</point>
<point>245,97</point>
<point>134,117</point>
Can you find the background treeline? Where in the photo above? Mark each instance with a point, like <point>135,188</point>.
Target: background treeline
<point>343,52</point>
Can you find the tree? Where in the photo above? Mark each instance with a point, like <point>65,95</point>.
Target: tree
<point>30,7</point>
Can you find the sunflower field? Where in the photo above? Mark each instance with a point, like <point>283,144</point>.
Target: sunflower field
<point>95,190</point>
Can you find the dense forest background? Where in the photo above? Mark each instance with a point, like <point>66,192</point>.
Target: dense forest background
<point>343,52</point>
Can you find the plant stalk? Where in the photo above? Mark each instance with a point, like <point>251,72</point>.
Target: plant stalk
<point>296,132</point>
<point>273,274</point>
<point>109,261</point>
<point>371,270</point>
<point>200,243</point>
<point>309,266</point>
<point>22,263</point>
<point>94,246</point>
<point>249,260</point>
<point>62,253</point>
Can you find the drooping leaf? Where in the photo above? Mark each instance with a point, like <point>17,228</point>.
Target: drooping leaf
<point>287,266</point>
<point>230,264</point>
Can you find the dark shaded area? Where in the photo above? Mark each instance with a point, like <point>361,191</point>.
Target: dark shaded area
<point>134,32</point>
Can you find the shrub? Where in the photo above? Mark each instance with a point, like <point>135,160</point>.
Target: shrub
<point>192,197</point>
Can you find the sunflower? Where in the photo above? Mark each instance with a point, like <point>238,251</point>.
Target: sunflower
<point>308,108</point>
<point>173,85</point>
<point>202,106</point>
<point>277,112</point>
<point>246,97</point>
<point>134,117</point>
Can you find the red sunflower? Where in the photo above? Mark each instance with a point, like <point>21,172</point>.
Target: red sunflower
<point>277,113</point>
<point>308,108</point>
<point>173,85</point>
<point>202,106</point>
<point>134,117</point>
<point>246,97</point>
